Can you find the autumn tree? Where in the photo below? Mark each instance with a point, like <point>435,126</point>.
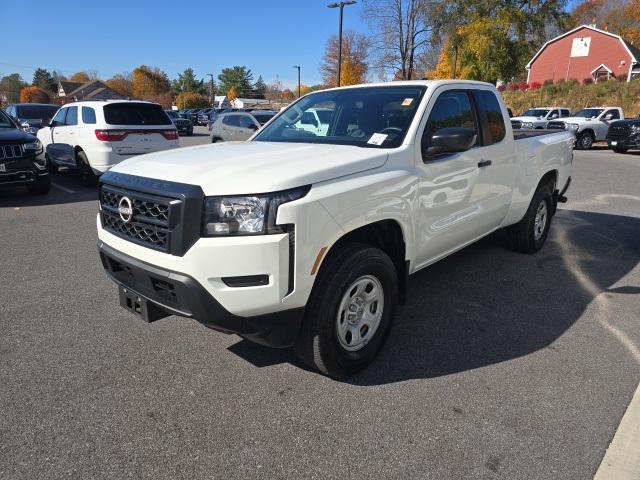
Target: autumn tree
<point>232,94</point>
<point>84,76</point>
<point>43,79</point>
<point>192,100</point>
<point>240,78</point>
<point>34,94</point>
<point>148,82</point>
<point>354,59</point>
<point>121,83</point>
<point>621,17</point>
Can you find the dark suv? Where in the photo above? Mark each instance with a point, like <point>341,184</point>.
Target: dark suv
<point>21,158</point>
<point>32,116</point>
<point>184,125</point>
<point>624,135</point>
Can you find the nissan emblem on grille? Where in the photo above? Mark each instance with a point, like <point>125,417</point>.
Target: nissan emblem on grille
<point>125,209</point>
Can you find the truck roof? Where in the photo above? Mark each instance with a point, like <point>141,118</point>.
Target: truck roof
<point>413,83</point>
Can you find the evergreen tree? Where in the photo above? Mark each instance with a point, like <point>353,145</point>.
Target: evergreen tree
<point>240,78</point>
<point>260,88</point>
<point>43,79</point>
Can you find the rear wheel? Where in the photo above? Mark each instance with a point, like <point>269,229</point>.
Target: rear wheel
<point>350,311</point>
<point>585,141</point>
<point>530,233</point>
<point>215,140</point>
<point>87,177</point>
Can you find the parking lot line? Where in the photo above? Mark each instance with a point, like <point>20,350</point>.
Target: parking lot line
<point>622,459</point>
<point>64,189</point>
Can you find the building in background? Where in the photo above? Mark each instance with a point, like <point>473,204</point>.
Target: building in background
<point>584,52</point>
<point>93,90</point>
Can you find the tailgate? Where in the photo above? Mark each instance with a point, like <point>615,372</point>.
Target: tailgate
<point>139,141</point>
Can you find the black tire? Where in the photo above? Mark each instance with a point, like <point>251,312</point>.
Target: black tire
<point>523,237</point>
<point>52,167</point>
<point>215,139</point>
<point>585,141</point>
<point>318,344</point>
<point>87,177</point>
<point>41,186</point>
<point>620,150</point>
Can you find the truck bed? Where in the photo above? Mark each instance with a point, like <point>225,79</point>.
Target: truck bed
<point>520,134</point>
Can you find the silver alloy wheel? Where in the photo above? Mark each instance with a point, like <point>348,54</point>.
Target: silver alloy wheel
<point>540,221</point>
<point>586,141</point>
<point>360,313</point>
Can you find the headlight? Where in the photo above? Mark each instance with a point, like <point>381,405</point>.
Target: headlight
<point>247,214</point>
<point>527,125</point>
<point>572,127</point>
<point>635,128</point>
<point>35,147</point>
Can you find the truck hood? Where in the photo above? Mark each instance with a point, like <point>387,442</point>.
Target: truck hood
<point>253,167</point>
<point>529,119</point>
<point>576,120</point>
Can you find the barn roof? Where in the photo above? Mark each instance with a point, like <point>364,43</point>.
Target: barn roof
<point>633,51</point>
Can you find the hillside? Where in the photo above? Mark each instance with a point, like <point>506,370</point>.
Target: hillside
<point>577,96</point>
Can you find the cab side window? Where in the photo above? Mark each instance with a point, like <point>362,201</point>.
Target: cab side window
<point>58,120</point>
<point>615,114</point>
<point>452,109</point>
<point>72,116</point>
<point>493,125</point>
<point>245,121</point>
<point>231,120</point>
<point>564,113</point>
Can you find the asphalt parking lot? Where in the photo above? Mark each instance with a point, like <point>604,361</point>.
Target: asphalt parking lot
<point>500,365</point>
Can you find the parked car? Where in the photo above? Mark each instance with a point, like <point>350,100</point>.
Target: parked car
<point>235,126</point>
<point>183,125</point>
<point>296,238</point>
<point>193,115</point>
<point>203,116</point>
<point>315,120</point>
<point>22,161</point>
<point>538,117</point>
<point>215,113</point>
<point>624,135</point>
<point>93,136</point>
<point>589,125</point>
<point>32,116</point>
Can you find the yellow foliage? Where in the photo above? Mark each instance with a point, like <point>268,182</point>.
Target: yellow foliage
<point>232,94</point>
<point>34,95</point>
<point>352,72</point>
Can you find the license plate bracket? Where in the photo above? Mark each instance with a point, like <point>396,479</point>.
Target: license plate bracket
<point>140,306</point>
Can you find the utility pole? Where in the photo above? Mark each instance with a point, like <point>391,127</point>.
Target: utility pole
<point>341,6</point>
<point>298,67</point>
<point>213,104</point>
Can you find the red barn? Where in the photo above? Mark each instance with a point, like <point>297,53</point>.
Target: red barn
<point>584,52</point>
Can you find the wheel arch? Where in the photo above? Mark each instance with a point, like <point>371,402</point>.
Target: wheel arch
<point>386,234</point>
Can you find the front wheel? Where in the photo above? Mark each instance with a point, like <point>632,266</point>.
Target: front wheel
<point>530,233</point>
<point>585,141</point>
<point>350,311</point>
<point>620,150</point>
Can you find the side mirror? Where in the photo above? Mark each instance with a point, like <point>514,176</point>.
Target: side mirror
<point>253,127</point>
<point>449,140</point>
<point>553,116</point>
<point>608,116</point>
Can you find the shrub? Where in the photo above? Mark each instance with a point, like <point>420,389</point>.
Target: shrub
<point>547,82</point>
<point>523,86</point>
<point>561,82</point>
<point>535,85</point>
<point>587,81</point>
<point>622,78</point>
<point>501,88</point>
<point>34,94</point>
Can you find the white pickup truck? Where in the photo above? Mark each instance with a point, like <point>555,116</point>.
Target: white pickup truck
<point>538,117</point>
<point>302,239</point>
<point>588,125</point>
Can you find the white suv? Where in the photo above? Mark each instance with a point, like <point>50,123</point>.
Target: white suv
<point>94,136</point>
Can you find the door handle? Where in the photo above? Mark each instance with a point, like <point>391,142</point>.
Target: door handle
<point>484,163</point>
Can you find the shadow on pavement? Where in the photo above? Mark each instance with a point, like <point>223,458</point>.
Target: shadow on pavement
<point>65,188</point>
<point>485,304</point>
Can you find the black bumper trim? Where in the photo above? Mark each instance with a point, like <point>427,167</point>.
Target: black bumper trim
<point>182,295</point>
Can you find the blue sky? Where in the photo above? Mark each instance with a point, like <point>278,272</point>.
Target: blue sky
<point>268,36</point>
<point>114,36</point>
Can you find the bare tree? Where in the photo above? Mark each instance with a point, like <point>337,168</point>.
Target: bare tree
<point>401,33</point>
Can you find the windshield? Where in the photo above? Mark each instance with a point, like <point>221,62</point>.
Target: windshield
<point>36,112</point>
<point>263,118</point>
<point>535,112</point>
<point>172,114</point>
<point>5,122</point>
<point>363,116</point>
<point>589,112</point>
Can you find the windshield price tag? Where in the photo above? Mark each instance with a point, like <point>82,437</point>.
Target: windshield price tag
<point>377,139</point>
<point>407,101</point>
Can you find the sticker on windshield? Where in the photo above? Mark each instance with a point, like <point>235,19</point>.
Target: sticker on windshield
<point>377,138</point>
<point>407,101</point>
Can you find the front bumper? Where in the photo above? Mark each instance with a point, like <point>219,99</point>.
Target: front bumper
<point>175,293</point>
<point>627,142</point>
<point>22,171</point>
